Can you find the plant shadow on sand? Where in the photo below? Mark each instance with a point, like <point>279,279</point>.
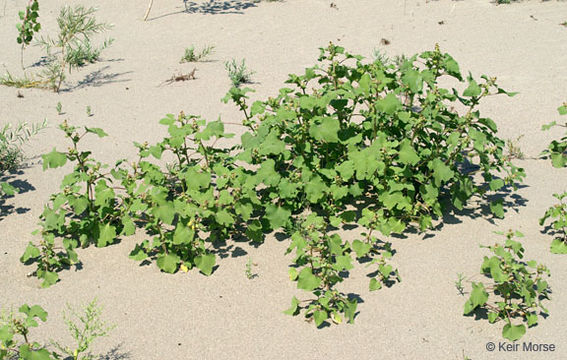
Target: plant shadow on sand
<point>212,8</point>
<point>22,186</point>
<point>98,78</point>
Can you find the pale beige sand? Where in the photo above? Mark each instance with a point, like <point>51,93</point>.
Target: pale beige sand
<point>227,316</point>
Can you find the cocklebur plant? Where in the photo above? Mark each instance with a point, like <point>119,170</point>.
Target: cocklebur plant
<point>516,289</point>
<point>383,138</point>
<point>195,204</point>
<point>87,210</point>
<point>15,342</point>
<point>557,215</point>
<point>557,149</point>
<point>29,26</point>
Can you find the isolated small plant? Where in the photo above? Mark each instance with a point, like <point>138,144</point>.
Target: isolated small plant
<point>71,48</point>
<point>85,327</point>
<point>513,149</point>
<point>557,214</point>
<point>516,291</point>
<point>89,111</point>
<point>238,73</point>
<point>28,27</point>
<point>248,271</point>
<point>59,108</point>
<point>459,284</point>
<point>191,55</point>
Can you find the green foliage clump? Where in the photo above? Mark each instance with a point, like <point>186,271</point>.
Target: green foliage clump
<point>191,55</point>
<point>72,48</point>
<point>558,217</point>
<point>85,211</point>
<point>238,73</point>
<point>29,26</point>
<point>15,340</point>
<point>371,146</point>
<point>557,149</point>
<point>517,288</point>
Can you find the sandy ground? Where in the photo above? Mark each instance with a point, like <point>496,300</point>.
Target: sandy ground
<point>227,316</point>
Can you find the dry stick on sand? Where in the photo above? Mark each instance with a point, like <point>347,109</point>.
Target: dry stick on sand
<point>148,11</point>
<point>180,77</point>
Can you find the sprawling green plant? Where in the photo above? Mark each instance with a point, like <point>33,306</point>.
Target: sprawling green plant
<point>557,214</point>
<point>375,146</point>
<point>516,290</point>
<point>87,210</point>
<point>191,55</point>
<point>198,202</point>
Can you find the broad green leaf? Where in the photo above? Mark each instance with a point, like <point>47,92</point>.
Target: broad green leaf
<point>97,131</point>
<point>6,334</point>
<point>165,212</point>
<point>360,248</point>
<point>307,281</point>
<point>496,184</point>
<point>320,316</point>
<point>478,297</point>
<point>293,310</point>
<point>206,263</point>
<point>138,253</point>
<point>224,218</point>
<point>473,89</point>
<point>532,319</point>
<point>407,153</point>
<point>277,216</point>
<point>106,235</point>
<point>441,172</point>
<point>183,234</point>
<point>343,262</point>
<point>374,285</point>
<point>49,278</point>
<point>558,246</point>
<point>326,129</point>
<point>389,104</point>
<point>497,208</point>
<point>350,310</point>
<point>168,262</point>
<point>513,332</point>
<point>54,159</point>
<point>31,252</point>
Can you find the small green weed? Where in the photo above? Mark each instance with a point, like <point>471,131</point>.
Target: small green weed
<point>84,328</point>
<point>517,287</point>
<point>83,52</point>
<point>59,108</point>
<point>193,56</point>
<point>28,27</point>
<point>238,74</point>
<point>89,111</point>
<point>249,273</point>
<point>513,149</point>
<point>24,82</point>
<point>459,284</point>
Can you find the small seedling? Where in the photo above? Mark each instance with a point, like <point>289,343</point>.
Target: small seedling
<point>516,290</point>
<point>238,74</point>
<point>564,23</point>
<point>513,149</point>
<point>192,56</point>
<point>28,27</point>
<point>459,284</point>
<point>249,274</point>
<point>89,111</point>
<point>59,108</point>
